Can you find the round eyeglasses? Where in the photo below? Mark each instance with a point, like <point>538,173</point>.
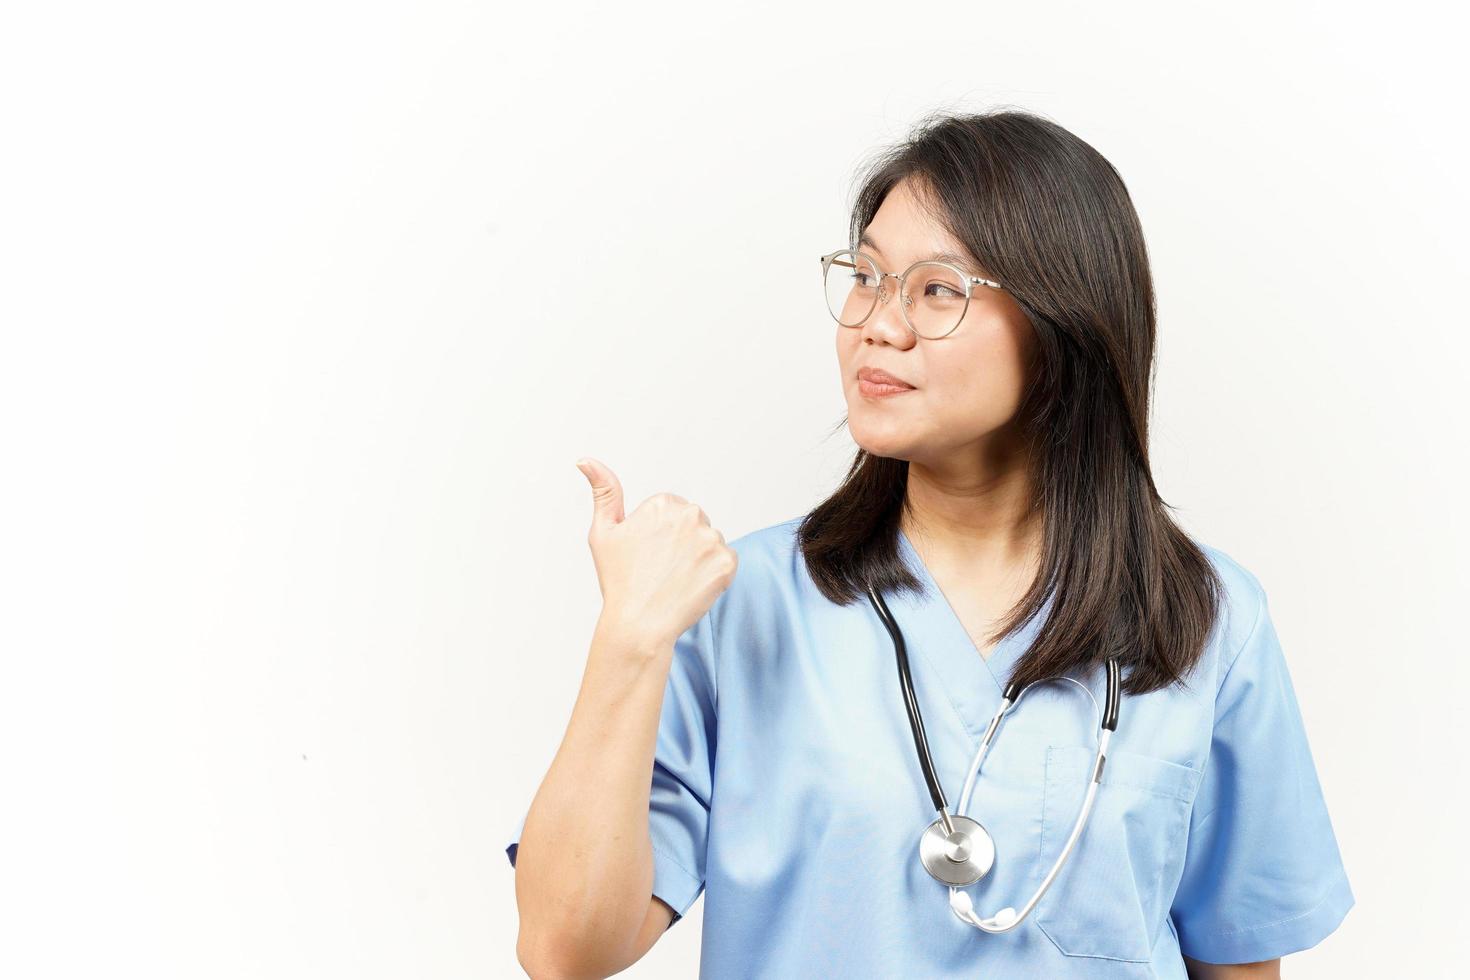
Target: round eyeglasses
<point>935,295</point>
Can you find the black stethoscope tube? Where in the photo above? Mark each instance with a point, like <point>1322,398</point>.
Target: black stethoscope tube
<point>916,721</point>
<point>1115,696</point>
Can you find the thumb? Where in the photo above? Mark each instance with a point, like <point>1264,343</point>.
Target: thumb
<point>607,492</point>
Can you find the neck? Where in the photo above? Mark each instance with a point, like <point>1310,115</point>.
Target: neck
<point>975,514</point>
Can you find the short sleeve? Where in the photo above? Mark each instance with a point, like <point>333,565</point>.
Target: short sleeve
<point>683,769</point>
<point>1262,875</point>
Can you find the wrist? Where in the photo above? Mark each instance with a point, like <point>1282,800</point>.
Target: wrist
<point>619,638</point>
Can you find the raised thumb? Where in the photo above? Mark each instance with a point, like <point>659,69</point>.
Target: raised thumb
<point>607,492</point>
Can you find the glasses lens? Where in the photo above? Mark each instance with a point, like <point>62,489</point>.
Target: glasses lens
<point>934,299</point>
<point>852,288</point>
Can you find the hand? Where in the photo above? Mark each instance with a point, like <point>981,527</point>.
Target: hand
<point>660,568</point>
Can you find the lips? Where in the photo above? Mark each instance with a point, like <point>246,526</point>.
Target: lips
<point>877,376</point>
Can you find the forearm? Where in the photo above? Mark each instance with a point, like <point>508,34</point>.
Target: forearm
<point>1264,970</point>
<point>584,867</point>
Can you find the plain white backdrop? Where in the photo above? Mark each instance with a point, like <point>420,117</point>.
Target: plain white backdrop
<point>309,309</point>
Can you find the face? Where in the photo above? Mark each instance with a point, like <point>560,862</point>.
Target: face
<point>967,386</point>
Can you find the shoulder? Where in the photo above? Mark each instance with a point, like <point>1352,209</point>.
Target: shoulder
<point>769,568</point>
<point>1242,604</point>
<point>770,549</point>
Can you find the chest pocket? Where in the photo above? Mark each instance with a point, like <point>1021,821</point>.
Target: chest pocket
<point>1109,898</point>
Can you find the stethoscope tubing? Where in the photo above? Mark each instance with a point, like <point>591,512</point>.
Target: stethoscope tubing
<point>910,702</point>
<point>960,901</point>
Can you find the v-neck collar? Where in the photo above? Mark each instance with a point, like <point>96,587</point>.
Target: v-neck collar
<point>973,682</point>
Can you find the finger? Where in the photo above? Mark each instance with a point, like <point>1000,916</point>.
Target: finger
<point>607,491</point>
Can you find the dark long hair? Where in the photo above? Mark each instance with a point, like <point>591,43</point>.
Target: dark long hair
<point>1048,216</point>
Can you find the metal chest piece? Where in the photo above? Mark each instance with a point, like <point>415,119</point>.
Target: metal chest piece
<point>957,859</point>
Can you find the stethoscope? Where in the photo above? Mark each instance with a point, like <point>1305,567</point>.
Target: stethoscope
<point>955,849</point>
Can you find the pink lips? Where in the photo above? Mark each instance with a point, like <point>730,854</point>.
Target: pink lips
<point>875,383</point>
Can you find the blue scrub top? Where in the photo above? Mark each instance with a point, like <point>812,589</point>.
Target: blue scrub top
<point>786,789</point>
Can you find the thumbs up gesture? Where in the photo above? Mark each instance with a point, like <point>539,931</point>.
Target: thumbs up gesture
<point>659,568</point>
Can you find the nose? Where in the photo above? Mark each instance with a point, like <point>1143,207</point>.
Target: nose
<point>886,324</point>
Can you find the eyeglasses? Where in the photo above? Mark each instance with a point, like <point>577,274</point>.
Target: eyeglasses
<point>935,295</point>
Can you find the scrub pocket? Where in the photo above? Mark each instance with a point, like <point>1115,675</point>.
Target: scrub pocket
<point>1109,898</point>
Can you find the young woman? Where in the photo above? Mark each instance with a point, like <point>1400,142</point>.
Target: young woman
<point>995,335</point>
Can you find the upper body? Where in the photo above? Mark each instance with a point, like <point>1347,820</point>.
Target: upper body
<point>995,339</point>
<point>787,791</point>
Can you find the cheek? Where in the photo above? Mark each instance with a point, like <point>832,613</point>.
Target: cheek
<point>847,342</point>
<point>983,379</point>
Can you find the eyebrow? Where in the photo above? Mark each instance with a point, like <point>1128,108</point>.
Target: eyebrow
<point>950,257</point>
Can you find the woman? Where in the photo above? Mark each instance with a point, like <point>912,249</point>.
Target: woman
<point>1002,507</point>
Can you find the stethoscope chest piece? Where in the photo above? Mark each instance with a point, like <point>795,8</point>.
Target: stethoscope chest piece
<point>957,859</point>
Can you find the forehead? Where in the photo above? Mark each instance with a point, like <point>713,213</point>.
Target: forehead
<point>903,231</point>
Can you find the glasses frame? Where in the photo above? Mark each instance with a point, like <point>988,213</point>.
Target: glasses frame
<point>879,299</point>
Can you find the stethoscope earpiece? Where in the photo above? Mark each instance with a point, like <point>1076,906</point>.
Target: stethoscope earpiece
<point>961,903</point>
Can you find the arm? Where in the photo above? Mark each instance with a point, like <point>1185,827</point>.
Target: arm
<point>584,873</point>
<point>1264,970</point>
<point>586,870</point>
<point>1262,875</point>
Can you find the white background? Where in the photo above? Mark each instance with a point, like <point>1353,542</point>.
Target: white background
<point>309,308</point>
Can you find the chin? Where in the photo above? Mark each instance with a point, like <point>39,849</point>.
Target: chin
<point>886,440</point>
